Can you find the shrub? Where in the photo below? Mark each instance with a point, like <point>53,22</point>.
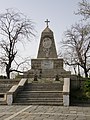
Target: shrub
<point>86,88</point>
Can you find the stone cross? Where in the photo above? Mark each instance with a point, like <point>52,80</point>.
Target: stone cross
<point>47,21</point>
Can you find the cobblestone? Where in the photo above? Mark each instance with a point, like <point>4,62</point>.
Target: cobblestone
<point>44,112</point>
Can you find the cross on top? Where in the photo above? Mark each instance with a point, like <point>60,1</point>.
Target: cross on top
<point>47,21</point>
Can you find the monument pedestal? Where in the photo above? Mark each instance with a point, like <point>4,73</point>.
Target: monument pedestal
<point>47,68</point>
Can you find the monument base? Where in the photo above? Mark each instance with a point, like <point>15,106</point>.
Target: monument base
<point>47,68</point>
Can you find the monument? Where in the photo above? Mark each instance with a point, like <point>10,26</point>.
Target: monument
<point>47,64</point>
<point>46,83</point>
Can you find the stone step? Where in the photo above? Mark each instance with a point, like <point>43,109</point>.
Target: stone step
<point>40,94</point>
<point>44,86</point>
<point>3,103</point>
<point>4,90</point>
<point>5,87</point>
<point>6,84</point>
<point>39,99</point>
<point>40,91</point>
<point>39,103</point>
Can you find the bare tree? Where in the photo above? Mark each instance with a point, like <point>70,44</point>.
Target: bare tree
<point>84,9</point>
<point>77,47</point>
<point>14,28</point>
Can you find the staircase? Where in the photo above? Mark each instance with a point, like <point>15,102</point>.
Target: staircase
<point>5,85</point>
<point>40,94</point>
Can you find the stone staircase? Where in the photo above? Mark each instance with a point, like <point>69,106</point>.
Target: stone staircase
<point>40,94</point>
<point>5,85</point>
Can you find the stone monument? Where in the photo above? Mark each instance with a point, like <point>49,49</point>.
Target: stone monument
<point>47,64</point>
<point>48,83</point>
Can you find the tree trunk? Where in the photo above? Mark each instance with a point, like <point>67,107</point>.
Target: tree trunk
<point>86,73</point>
<point>8,75</point>
<point>8,71</point>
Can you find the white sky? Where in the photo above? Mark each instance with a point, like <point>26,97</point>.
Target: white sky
<point>59,12</point>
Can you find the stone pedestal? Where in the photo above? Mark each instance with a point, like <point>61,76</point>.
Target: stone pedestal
<point>48,68</point>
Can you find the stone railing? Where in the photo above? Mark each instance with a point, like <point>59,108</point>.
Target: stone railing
<point>66,92</point>
<point>11,94</point>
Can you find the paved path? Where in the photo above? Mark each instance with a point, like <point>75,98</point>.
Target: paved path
<point>44,113</point>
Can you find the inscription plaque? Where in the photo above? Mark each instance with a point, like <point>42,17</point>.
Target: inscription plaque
<point>47,64</point>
